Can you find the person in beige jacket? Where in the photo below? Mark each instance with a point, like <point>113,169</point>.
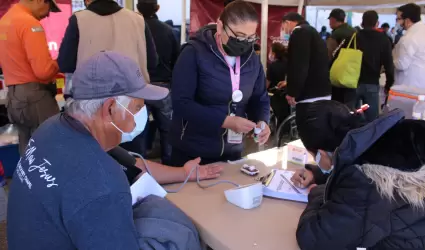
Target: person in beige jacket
<point>105,25</point>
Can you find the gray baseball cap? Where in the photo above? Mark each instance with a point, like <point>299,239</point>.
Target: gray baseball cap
<point>110,74</point>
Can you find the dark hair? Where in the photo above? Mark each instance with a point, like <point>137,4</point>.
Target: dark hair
<point>326,124</point>
<point>293,16</point>
<point>147,9</point>
<point>226,2</point>
<point>279,50</point>
<point>257,47</point>
<point>238,11</point>
<point>370,19</point>
<point>411,11</point>
<point>324,28</point>
<point>385,26</point>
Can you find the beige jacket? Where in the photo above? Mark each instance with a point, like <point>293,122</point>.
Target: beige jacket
<point>122,32</point>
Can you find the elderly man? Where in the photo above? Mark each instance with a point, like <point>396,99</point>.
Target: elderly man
<point>68,193</point>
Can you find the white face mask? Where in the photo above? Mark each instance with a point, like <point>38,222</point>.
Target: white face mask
<point>140,118</point>
<point>319,157</point>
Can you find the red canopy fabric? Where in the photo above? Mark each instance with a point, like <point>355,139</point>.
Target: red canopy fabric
<point>203,12</point>
<point>54,25</point>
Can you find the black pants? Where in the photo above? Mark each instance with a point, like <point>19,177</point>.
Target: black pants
<point>280,106</point>
<point>345,96</point>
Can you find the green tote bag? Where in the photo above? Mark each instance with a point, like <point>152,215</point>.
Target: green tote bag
<point>345,71</point>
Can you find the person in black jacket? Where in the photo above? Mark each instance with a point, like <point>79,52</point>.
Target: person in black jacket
<point>276,80</point>
<point>168,49</point>
<point>377,53</point>
<point>308,65</point>
<point>375,196</point>
<point>386,29</point>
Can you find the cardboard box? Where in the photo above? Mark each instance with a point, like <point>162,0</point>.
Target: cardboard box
<point>297,153</point>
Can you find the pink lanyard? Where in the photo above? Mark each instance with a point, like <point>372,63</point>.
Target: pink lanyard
<point>234,74</point>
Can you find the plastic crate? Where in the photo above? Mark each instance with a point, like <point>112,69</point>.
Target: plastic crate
<point>9,157</point>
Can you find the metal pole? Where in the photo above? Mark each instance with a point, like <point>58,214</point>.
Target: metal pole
<point>264,25</point>
<point>300,6</point>
<point>183,27</point>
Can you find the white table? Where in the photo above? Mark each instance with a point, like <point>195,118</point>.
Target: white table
<point>223,226</point>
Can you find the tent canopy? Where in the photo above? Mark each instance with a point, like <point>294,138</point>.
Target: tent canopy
<point>384,3</point>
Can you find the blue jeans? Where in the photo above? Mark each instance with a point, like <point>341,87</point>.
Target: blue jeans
<point>369,94</point>
<point>162,112</point>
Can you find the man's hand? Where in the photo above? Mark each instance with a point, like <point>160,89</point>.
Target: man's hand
<point>302,178</point>
<point>206,172</point>
<point>291,100</point>
<point>281,84</point>
<point>263,137</point>
<point>238,124</point>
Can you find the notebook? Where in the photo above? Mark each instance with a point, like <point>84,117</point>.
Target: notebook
<point>279,185</point>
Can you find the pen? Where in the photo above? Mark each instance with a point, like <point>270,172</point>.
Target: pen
<point>292,186</point>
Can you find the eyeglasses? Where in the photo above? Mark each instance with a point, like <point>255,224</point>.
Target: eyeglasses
<point>250,39</point>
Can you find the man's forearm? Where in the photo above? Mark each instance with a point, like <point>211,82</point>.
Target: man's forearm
<point>161,173</point>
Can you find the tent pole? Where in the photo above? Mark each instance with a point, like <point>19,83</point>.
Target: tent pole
<point>264,25</point>
<point>300,6</point>
<point>183,27</point>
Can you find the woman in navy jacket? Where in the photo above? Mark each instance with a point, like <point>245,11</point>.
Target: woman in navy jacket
<point>211,110</point>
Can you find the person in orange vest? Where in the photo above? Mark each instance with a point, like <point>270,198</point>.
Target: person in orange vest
<point>28,67</point>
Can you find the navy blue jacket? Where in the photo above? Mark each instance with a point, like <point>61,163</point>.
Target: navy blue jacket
<point>202,92</point>
<point>374,197</point>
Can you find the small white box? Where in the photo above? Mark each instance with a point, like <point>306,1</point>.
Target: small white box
<point>297,153</point>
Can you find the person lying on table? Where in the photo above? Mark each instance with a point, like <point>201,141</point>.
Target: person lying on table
<point>68,193</point>
<point>375,196</point>
<point>134,167</point>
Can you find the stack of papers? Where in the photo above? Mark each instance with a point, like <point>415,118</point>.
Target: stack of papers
<point>279,185</point>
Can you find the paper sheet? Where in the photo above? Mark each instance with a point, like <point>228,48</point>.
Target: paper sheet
<point>281,182</point>
<point>144,186</point>
<point>281,186</point>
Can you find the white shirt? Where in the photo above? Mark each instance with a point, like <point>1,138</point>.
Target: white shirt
<point>409,57</point>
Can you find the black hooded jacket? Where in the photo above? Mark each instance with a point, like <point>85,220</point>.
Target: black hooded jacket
<point>308,71</point>
<point>375,195</point>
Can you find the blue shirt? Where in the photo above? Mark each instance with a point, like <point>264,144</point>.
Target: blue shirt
<point>68,193</point>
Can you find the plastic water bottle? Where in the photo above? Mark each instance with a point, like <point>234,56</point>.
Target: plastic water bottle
<point>419,108</point>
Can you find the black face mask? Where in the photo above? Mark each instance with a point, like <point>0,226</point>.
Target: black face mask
<point>234,47</point>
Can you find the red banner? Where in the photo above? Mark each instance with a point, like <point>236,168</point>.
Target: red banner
<point>203,12</point>
<point>54,25</point>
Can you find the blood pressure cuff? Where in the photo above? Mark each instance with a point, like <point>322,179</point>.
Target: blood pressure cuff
<point>127,161</point>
